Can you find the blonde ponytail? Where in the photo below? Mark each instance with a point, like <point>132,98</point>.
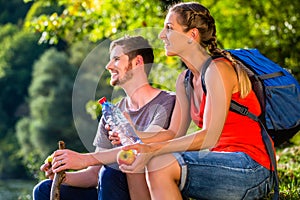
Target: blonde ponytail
<point>244,82</point>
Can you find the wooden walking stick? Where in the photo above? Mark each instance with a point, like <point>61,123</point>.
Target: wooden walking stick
<point>58,178</point>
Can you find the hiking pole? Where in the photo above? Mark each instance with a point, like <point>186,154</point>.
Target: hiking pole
<point>58,178</point>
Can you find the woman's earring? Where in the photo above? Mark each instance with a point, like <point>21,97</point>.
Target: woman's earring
<point>190,41</point>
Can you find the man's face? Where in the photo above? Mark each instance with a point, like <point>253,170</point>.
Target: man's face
<point>119,67</point>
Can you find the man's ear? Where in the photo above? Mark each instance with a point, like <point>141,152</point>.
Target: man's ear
<point>139,60</point>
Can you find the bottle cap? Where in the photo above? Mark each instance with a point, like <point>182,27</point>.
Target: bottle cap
<point>102,100</point>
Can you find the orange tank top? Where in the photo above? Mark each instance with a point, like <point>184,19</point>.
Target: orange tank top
<point>240,133</point>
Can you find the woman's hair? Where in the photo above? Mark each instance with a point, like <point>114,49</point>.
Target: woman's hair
<point>194,15</point>
<point>133,46</point>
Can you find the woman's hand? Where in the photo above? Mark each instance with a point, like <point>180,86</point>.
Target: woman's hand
<point>67,159</point>
<point>144,155</point>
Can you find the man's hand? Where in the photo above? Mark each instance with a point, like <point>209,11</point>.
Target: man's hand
<point>47,168</point>
<point>113,136</point>
<point>67,159</point>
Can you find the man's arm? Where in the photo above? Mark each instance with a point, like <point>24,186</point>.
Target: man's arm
<point>68,159</point>
<point>84,178</point>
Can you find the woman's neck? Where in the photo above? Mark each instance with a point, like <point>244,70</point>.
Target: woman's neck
<point>194,58</point>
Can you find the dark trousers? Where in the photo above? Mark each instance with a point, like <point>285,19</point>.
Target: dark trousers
<point>112,186</point>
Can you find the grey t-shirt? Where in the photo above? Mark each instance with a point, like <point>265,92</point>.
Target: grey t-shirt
<point>157,112</point>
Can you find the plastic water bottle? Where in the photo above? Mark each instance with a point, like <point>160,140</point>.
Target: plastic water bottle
<point>118,123</point>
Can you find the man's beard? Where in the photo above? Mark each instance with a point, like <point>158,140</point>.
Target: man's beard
<point>128,75</point>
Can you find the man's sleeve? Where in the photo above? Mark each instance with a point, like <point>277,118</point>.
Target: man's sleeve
<point>163,113</point>
<point>101,139</point>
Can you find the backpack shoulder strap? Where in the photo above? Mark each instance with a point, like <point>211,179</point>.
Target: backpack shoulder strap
<point>204,69</point>
<point>188,78</point>
<point>188,84</point>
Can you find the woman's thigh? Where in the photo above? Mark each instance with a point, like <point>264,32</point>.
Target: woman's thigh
<point>218,175</point>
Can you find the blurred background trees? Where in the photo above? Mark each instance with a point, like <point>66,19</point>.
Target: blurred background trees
<point>52,73</point>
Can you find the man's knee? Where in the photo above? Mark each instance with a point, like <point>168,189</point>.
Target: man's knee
<point>112,184</point>
<point>108,176</point>
<point>42,190</point>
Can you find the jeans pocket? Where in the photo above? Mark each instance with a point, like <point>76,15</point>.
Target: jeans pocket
<point>258,191</point>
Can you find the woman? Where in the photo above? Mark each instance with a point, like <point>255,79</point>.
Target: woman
<point>235,164</point>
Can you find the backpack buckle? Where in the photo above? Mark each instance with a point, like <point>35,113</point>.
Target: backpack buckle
<point>243,111</point>
<point>238,108</point>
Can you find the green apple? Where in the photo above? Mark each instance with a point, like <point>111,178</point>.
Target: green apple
<point>126,157</point>
<point>48,159</point>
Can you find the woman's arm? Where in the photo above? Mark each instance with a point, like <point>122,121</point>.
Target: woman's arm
<point>180,120</point>
<point>220,83</point>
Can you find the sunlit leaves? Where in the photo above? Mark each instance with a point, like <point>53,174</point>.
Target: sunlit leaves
<point>95,19</point>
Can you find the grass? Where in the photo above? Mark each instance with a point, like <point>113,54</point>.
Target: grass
<point>289,170</point>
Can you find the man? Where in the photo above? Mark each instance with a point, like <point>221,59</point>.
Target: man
<point>150,110</point>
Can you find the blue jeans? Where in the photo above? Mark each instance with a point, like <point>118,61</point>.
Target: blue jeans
<point>112,186</point>
<point>42,192</point>
<point>222,176</point>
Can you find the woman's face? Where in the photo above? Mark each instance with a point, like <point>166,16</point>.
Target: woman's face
<point>175,39</point>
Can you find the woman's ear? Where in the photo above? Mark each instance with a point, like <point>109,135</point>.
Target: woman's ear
<point>195,33</point>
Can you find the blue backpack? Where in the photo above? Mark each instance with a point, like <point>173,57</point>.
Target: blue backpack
<point>276,89</point>
<point>278,93</point>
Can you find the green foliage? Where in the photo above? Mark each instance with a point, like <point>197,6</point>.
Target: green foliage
<point>32,162</point>
<point>30,157</point>
<point>16,65</point>
<point>23,133</point>
<point>96,19</point>
<point>94,109</point>
<point>9,13</point>
<point>289,172</point>
<point>42,8</point>
<point>7,30</point>
<point>6,35</point>
<point>50,104</point>
<point>270,26</point>
<point>296,139</point>
<point>10,162</point>
<point>17,54</point>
